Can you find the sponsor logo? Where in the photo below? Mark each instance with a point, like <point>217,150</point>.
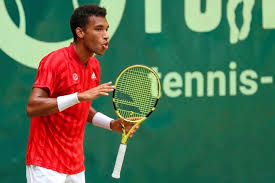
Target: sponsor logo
<point>93,76</point>
<point>75,76</point>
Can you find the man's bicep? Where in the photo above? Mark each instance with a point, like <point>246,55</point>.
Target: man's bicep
<point>40,92</point>
<point>40,104</point>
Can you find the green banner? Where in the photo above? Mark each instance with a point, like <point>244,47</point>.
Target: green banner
<point>216,60</point>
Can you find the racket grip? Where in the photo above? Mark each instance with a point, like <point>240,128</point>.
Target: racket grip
<point>119,161</point>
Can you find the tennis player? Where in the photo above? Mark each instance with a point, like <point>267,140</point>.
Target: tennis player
<point>67,81</point>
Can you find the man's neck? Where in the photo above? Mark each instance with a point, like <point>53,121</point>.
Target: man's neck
<point>82,52</point>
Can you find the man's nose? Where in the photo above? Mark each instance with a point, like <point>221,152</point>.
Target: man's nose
<point>106,35</point>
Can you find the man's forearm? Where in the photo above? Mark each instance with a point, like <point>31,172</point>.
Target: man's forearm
<point>91,114</point>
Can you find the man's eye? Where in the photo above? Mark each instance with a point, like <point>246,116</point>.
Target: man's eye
<point>98,29</point>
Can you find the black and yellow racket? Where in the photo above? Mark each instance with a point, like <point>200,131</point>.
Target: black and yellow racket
<point>136,94</point>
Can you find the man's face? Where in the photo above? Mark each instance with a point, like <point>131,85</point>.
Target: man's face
<point>96,38</point>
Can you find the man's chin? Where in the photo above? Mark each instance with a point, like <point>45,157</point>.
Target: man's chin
<point>100,53</point>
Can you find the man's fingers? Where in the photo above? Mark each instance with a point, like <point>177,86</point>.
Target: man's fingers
<point>106,84</point>
<point>129,126</point>
<point>103,94</point>
<point>107,89</point>
<point>132,133</point>
<point>134,118</point>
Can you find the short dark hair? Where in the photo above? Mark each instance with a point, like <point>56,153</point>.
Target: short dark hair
<point>80,16</point>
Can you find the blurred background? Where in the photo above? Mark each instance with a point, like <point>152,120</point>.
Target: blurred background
<point>216,58</point>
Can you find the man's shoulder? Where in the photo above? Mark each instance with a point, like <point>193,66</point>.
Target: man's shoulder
<point>56,58</point>
<point>57,54</point>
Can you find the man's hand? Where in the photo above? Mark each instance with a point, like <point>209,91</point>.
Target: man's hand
<point>116,126</point>
<point>93,93</point>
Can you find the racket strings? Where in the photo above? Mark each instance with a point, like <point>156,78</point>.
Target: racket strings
<point>136,92</point>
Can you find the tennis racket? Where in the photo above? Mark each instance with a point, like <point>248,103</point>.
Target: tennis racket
<point>136,94</point>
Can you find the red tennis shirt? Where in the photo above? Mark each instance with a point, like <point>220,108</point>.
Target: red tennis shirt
<point>56,141</point>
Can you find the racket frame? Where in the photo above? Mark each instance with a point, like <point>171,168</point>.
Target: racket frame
<point>139,121</point>
<point>124,139</point>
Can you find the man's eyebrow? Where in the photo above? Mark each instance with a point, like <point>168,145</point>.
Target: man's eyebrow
<point>101,26</point>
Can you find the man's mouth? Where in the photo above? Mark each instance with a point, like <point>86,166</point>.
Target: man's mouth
<point>105,45</point>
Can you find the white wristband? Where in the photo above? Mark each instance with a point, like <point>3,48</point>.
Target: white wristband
<point>102,120</point>
<point>66,101</point>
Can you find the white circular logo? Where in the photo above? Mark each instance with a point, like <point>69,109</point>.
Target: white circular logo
<point>75,76</point>
<point>29,51</point>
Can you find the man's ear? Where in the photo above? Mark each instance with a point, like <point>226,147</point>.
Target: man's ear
<point>79,32</point>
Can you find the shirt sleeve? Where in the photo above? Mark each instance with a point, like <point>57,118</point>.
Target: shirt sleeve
<point>46,75</point>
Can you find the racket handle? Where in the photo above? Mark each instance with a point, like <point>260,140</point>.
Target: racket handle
<point>119,161</point>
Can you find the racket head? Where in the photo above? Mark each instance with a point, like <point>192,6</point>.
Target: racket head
<point>136,94</point>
